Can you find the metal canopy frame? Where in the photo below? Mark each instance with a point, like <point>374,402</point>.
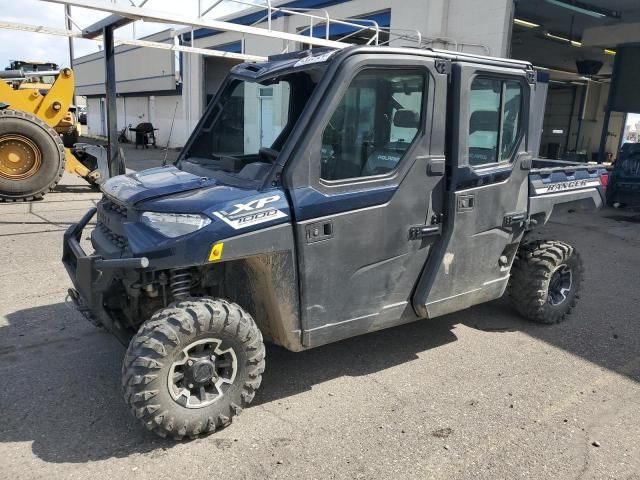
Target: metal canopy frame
<point>138,13</point>
<point>23,27</point>
<point>120,16</point>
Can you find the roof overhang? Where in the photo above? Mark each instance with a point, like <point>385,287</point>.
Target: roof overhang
<point>611,35</point>
<point>113,21</point>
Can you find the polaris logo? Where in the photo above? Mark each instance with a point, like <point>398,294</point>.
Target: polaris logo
<point>569,185</point>
<point>252,213</point>
<point>388,158</point>
<point>314,59</point>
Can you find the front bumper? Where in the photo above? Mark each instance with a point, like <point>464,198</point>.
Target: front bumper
<point>92,276</point>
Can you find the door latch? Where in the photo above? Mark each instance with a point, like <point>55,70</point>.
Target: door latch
<point>423,231</point>
<point>512,220</point>
<point>417,233</point>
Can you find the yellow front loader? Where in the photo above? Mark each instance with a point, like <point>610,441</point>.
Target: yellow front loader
<point>32,154</point>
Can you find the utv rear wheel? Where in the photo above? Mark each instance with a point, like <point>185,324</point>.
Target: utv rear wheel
<point>192,367</point>
<point>545,280</point>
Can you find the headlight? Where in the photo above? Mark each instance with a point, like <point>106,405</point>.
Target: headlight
<point>175,224</point>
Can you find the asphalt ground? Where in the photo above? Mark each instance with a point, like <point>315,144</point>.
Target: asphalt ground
<point>478,394</point>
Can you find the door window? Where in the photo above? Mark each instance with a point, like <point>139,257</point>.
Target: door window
<point>374,124</point>
<point>511,117</point>
<point>494,120</point>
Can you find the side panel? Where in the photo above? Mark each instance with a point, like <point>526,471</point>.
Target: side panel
<point>480,240</point>
<point>361,279</point>
<point>260,274</point>
<point>357,262</point>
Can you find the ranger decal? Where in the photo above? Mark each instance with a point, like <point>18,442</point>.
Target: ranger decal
<point>251,213</point>
<point>570,185</point>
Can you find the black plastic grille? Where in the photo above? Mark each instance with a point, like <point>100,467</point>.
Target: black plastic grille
<point>117,240</point>
<point>116,215</point>
<point>109,206</point>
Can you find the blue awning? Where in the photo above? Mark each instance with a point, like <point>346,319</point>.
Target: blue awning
<point>235,47</point>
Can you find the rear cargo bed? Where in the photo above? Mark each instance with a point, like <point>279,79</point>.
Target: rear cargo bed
<point>555,184</point>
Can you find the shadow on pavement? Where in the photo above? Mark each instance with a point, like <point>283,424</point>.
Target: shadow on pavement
<point>606,344</point>
<point>64,393</point>
<point>65,384</point>
<point>67,188</point>
<point>62,389</point>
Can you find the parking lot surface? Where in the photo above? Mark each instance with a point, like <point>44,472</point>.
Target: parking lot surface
<point>477,394</point>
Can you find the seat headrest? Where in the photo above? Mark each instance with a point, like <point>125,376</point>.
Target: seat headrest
<point>483,121</point>
<point>406,119</point>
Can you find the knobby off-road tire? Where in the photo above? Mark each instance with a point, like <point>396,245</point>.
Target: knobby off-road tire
<point>545,280</point>
<point>156,358</point>
<point>35,134</point>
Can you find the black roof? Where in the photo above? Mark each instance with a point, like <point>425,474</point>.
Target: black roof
<point>307,58</point>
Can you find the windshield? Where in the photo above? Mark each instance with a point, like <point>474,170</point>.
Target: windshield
<point>246,128</point>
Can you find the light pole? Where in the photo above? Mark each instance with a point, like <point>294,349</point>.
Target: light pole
<point>67,21</point>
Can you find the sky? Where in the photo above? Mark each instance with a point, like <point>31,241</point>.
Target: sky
<point>633,119</point>
<point>37,46</point>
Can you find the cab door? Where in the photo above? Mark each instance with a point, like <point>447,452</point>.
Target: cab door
<point>487,195</point>
<point>367,193</point>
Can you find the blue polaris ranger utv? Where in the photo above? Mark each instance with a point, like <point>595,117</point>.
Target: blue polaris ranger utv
<point>324,194</point>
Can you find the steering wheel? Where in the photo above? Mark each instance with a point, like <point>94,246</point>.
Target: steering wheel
<point>268,154</point>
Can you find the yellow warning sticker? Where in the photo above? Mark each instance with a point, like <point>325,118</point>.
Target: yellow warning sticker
<point>216,252</point>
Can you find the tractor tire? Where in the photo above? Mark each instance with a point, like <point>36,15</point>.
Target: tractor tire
<point>192,367</point>
<point>32,157</point>
<point>545,280</point>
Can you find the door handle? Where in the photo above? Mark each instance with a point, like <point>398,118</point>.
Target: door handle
<point>526,160</point>
<point>435,167</point>
<point>316,232</point>
<point>466,203</point>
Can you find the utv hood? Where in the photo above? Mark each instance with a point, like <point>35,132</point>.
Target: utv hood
<point>152,183</point>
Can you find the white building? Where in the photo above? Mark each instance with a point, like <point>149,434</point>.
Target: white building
<point>147,87</point>
<point>158,86</point>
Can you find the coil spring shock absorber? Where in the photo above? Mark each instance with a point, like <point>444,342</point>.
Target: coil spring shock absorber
<point>180,283</point>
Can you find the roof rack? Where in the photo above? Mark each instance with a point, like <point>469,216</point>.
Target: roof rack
<point>485,58</point>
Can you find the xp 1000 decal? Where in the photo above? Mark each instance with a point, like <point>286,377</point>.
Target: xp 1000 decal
<point>252,213</point>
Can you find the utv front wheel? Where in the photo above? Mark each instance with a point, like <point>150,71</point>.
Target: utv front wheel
<point>192,367</point>
<point>545,280</point>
